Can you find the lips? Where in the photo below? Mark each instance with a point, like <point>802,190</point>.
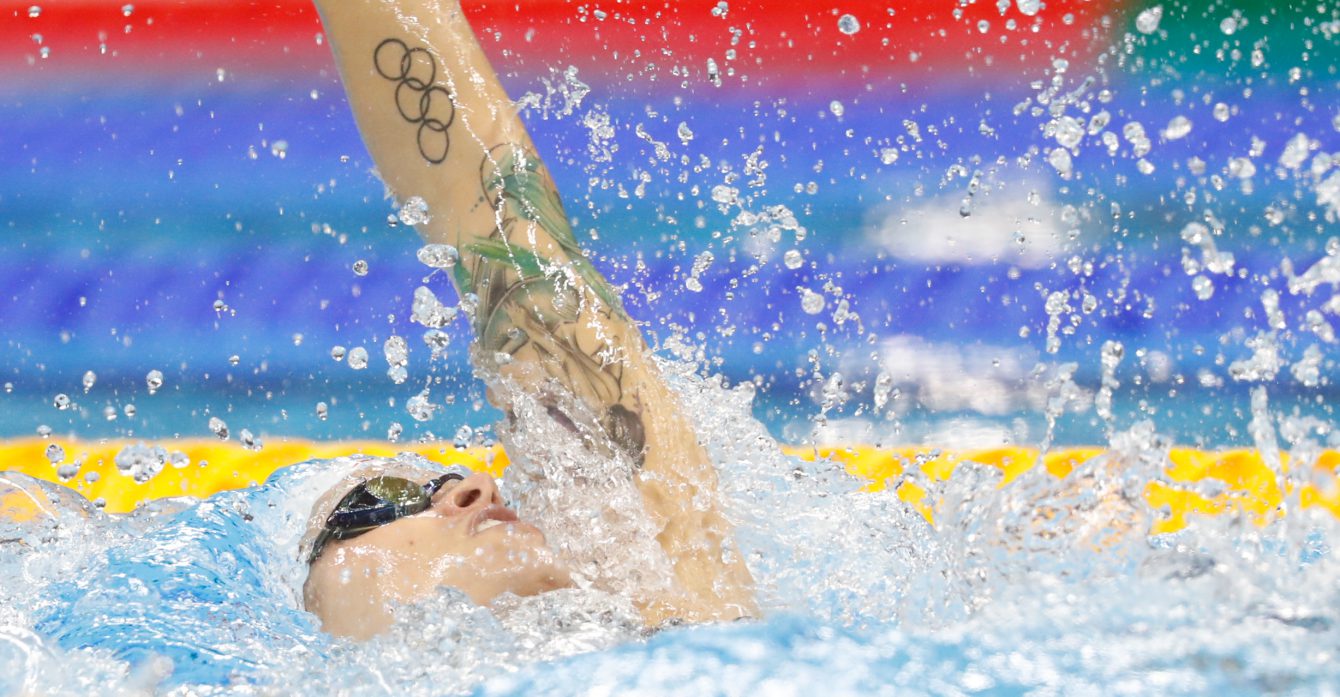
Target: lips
<point>491,517</point>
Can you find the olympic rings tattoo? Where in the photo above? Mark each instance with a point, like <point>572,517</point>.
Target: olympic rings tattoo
<point>418,100</point>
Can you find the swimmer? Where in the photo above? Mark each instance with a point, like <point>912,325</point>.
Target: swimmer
<point>450,146</point>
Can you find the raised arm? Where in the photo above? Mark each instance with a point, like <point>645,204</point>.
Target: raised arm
<point>441,128</point>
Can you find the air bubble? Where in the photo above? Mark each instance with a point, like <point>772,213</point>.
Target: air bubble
<point>61,401</point>
<point>793,259</point>
<point>360,268</point>
<point>848,24</point>
<point>55,454</point>
<point>90,378</point>
<point>322,411</point>
<point>337,353</point>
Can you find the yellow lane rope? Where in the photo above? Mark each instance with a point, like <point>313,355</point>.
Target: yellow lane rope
<point>1249,484</point>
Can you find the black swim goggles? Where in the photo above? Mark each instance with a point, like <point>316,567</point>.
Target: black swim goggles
<point>378,501</point>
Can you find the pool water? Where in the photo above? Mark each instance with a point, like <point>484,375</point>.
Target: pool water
<point>1045,584</point>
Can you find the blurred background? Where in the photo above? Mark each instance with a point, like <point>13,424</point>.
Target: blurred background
<point>906,222</point>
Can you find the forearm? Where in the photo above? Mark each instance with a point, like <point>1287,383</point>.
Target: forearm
<point>440,128</point>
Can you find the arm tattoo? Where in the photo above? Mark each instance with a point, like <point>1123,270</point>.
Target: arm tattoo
<point>543,309</point>
<point>418,98</point>
<point>536,298</point>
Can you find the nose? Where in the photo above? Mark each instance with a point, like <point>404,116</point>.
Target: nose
<point>475,491</point>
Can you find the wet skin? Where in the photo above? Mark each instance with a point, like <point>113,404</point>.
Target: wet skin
<point>467,539</point>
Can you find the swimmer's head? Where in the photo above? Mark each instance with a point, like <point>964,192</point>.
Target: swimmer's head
<point>463,537</point>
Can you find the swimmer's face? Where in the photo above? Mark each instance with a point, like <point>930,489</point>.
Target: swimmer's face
<point>467,540</point>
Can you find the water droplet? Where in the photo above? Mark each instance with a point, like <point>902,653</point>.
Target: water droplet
<point>1221,112</point>
<point>1241,167</point>
<point>836,107</point>
<point>393,433</point>
<point>693,284</point>
<point>179,460</point>
<point>1147,22</point>
<point>685,135</point>
<point>55,454</point>
<point>419,407</point>
<point>1229,26</point>
<point>1177,128</point>
<point>436,340</point>
<point>34,11</point>
<point>1060,159</point>
<point>154,380</point>
<point>129,410</point>
<point>438,256</point>
<point>848,24</point>
<point>360,268</point>
<point>127,9</point>
<point>725,195</point>
<point>44,431</point>
<point>397,355</point>
<point>793,259</point>
<point>234,359</point>
<point>1203,287</point>
<point>713,72</point>
<point>141,462</point>
<point>428,311</point>
<point>337,353</point>
<point>90,378</point>
<point>811,302</point>
<point>109,413</point>
<point>61,401</point>
<point>218,427</point>
<point>9,388</point>
<point>322,410</point>
<point>249,441</point>
<point>414,211</point>
<point>358,358</point>
<point>1027,7</point>
<point>279,149</point>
